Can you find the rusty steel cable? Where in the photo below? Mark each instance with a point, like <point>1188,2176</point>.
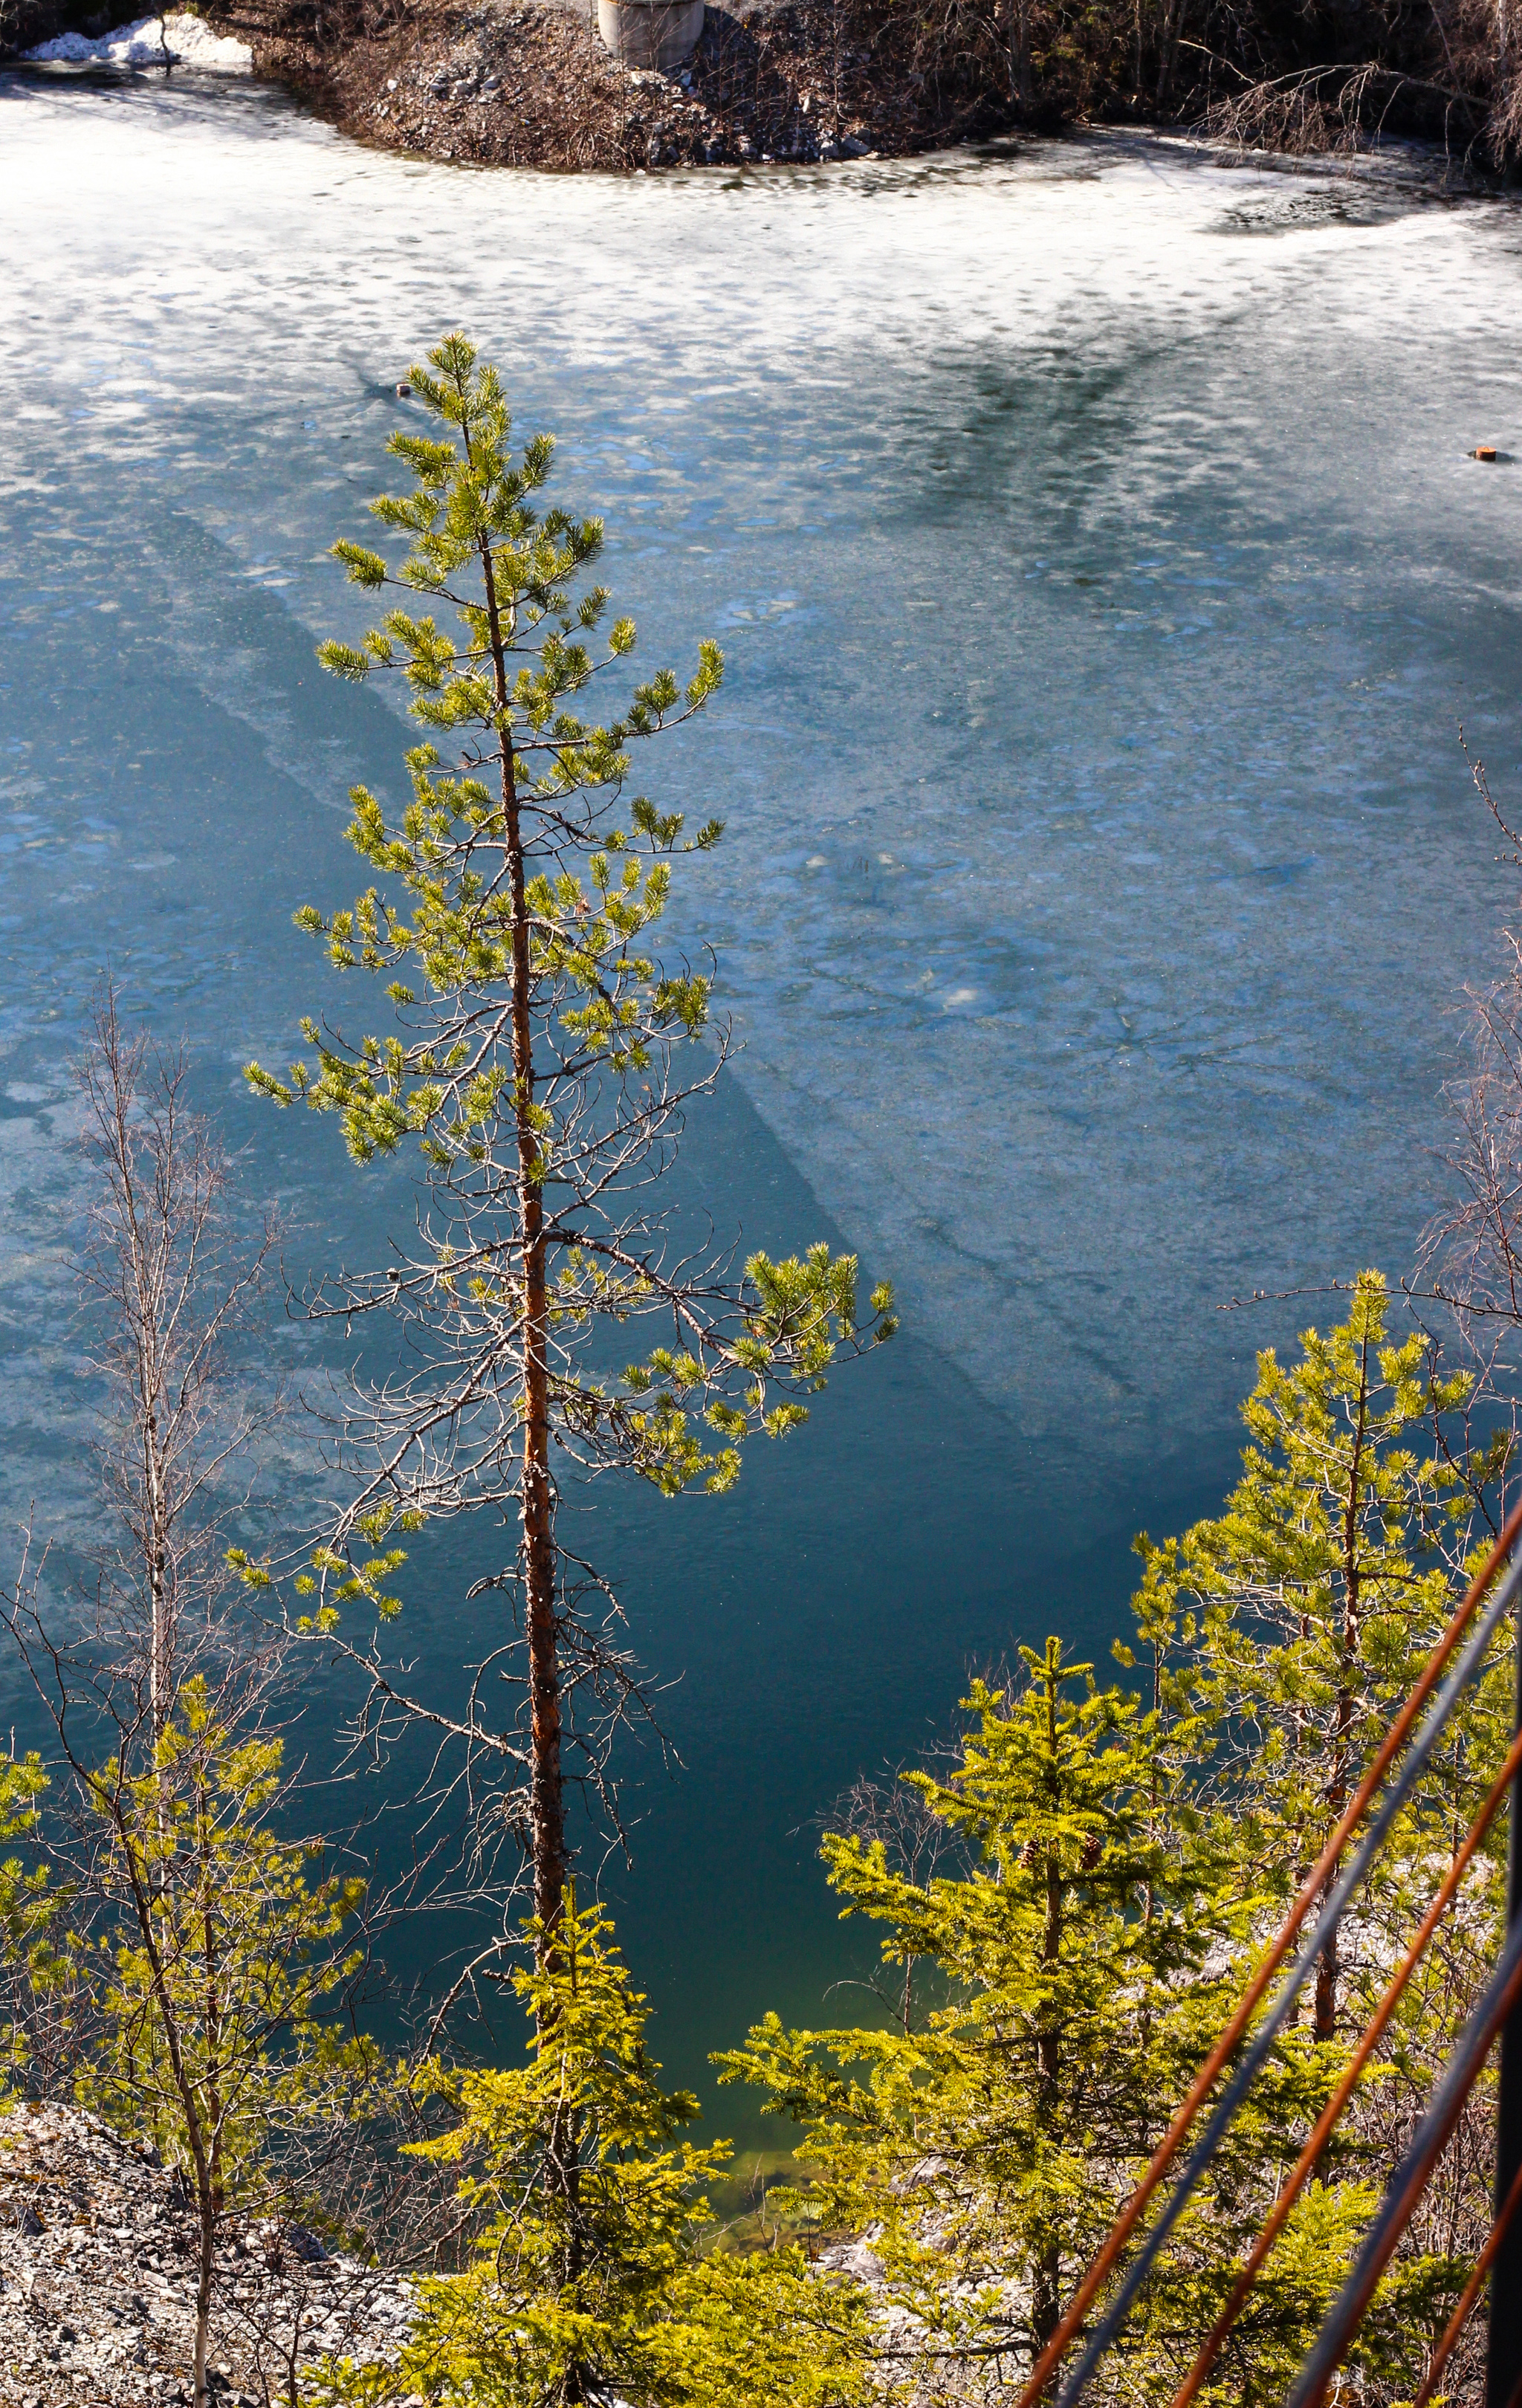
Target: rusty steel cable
<point>1305,2164</point>
<point>1470,2293</point>
<point>1412,2176</point>
<point>1167,2149</point>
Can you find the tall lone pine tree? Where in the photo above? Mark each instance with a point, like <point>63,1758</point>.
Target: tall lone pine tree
<point>540,1059</point>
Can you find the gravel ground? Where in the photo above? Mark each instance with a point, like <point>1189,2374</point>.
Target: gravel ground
<point>97,2281</point>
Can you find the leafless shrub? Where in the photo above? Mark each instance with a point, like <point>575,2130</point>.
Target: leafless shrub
<point>207,1984</point>
<point>1339,109</point>
<point>1471,1254</point>
<point>891,1812</point>
<point>166,1289</point>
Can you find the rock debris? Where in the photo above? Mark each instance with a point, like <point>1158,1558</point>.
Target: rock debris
<point>532,86</point>
<point>97,2281</point>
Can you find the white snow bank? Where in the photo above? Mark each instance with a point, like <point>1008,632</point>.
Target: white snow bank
<point>191,44</point>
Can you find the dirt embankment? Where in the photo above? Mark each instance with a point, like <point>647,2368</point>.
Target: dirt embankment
<point>532,86</point>
<point>527,83</point>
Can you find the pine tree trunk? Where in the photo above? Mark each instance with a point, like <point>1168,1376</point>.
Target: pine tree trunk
<point>213,1975</point>
<point>1020,55</point>
<point>157,1524</point>
<point>194,2131</point>
<point>1330,1964</point>
<point>200,2394</point>
<point>159,1641</point>
<point>1047,2272</point>
<point>546,1803</point>
<point>146,1327</point>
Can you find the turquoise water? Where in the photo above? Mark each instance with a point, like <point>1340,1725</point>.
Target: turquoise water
<point>1101,577</point>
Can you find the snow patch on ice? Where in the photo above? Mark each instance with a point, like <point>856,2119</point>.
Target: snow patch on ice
<point>189,44</point>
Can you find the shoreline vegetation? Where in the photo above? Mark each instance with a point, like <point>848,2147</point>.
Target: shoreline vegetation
<point>519,83</point>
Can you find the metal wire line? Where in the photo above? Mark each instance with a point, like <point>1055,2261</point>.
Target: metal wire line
<point>1345,2314</point>
<point>1470,2293</point>
<point>1274,2022</point>
<point>1326,2123</point>
<point>1103,2263</point>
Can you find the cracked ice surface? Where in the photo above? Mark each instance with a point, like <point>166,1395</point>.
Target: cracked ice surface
<point>1101,578</point>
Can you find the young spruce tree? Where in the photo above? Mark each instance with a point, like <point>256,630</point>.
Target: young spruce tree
<point>985,2149</point>
<point>188,1965</point>
<point>604,2286</point>
<point>1314,1600</point>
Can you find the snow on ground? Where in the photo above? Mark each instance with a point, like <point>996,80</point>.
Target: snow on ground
<point>189,43</point>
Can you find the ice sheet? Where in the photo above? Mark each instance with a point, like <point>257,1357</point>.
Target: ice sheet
<point>1102,578</point>
<point>1101,572</point>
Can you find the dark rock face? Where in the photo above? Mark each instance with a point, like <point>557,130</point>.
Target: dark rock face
<point>23,22</point>
<point>97,2281</point>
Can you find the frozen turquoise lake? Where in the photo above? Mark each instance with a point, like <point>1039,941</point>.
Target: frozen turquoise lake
<point>1102,579</point>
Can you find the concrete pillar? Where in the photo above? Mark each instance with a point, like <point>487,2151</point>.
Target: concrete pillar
<point>651,33</point>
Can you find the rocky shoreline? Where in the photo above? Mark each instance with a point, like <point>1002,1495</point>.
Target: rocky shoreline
<point>528,83</point>
<point>532,86</point>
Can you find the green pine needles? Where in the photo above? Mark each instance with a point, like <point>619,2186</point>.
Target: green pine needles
<point>593,2276</point>
<point>1117,1858</point>
<point>539,1056</point>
